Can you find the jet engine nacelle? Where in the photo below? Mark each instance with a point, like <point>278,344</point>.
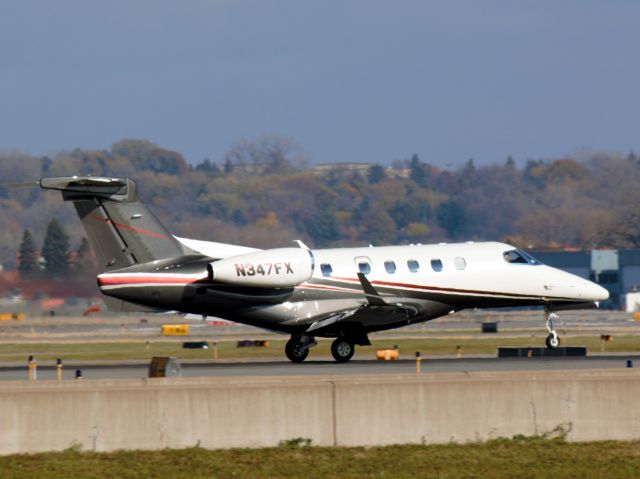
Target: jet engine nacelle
<point>272,268</point>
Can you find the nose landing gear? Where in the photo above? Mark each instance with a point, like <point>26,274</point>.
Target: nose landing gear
<point>552,341</point>
<point>297,348</point>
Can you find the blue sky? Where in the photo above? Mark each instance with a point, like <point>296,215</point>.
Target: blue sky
<point>349,80</point>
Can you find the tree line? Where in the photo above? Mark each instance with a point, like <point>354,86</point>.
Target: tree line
<point>265,192</point>
<point>55,259</point>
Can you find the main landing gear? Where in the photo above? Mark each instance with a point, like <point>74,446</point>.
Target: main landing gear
<point>297,349</point>
<point>552,341</point>
<point>342,350</point>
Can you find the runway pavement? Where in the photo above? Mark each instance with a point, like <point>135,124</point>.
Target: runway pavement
<point>317,368</point>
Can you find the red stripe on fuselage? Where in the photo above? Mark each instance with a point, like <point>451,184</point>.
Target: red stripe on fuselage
<point>124,280</point>
<point>327,288</point>
<point>132,228</point>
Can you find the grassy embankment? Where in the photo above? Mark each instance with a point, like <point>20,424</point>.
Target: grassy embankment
<point>501,458</point>
<point>228,350</point>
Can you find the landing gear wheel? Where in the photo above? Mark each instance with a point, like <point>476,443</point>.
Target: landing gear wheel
<point>552,341</point>
<point>342,350</point>
<point>296,351</point>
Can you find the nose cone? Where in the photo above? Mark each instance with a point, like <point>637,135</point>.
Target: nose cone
<point>594,292</point>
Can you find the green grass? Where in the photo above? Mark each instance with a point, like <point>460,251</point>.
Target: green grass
<point>502,458</point>
<point>140,350</point>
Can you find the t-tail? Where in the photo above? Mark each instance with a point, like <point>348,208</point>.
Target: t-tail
<point>121,229</point>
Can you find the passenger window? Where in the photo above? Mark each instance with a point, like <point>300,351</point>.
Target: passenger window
<point>326,269</point>
<point>460,263</point>
<point>413,265</point>
<point>390,266</point>
<point>364,267</point>
<point>436,265</point>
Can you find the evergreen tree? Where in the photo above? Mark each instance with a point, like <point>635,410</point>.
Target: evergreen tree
<point>419,172</point>
<point>408,211</point>
<point>451,217</point>
<point>208,167</point>
<point>27,255</point>
<point>238,217</point>
<point>376,174</point>
<point>470,167</point>
<point>468,176</point>
<point>323,228</point>
<point>55,249</point>
<point>510,163</point>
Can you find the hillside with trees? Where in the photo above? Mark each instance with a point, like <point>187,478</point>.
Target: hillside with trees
<point>266,193</point>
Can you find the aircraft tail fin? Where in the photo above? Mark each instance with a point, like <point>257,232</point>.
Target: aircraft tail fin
<point>121,229</point>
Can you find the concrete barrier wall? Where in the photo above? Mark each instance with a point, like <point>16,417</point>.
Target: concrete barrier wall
<point>105,415</point>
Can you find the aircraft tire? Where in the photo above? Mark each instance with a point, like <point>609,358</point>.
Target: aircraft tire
<point>295,352</point>
<point>552,341</point>
<point>342,350</point>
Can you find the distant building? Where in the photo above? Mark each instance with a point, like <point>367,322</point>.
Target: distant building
<point>325,168</point>
<point>361,169</point>
<point>616,270</point>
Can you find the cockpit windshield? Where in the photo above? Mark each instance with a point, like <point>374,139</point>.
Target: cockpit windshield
<point>519,257</point>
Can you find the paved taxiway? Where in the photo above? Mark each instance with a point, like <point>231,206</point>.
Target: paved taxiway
<point>316,368</point>
<point>467,323</point>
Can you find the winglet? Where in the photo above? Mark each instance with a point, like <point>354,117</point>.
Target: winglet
<point>372,295</point>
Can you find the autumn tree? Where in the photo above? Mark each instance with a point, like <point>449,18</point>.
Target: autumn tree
<point>417,232</point>
<point>380,228</point>
<point>269,154</point>
<point>147,156</point>
<point>624,225</point>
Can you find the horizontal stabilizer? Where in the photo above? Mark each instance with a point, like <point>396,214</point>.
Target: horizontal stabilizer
<point>110,187</point>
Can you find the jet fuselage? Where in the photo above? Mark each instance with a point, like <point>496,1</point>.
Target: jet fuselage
<point>426,281</point>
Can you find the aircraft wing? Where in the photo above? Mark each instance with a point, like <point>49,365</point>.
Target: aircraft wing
<point>363,316</point>
<point>376,313</point>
